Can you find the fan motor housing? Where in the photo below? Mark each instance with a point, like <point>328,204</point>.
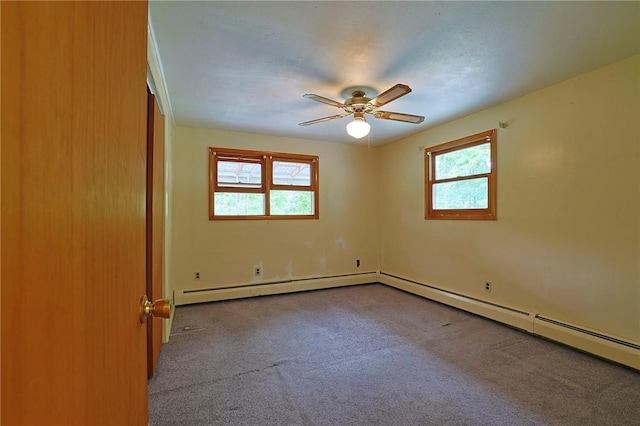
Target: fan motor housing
<point>358,102</point>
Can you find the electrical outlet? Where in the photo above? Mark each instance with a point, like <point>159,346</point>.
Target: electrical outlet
<point>196,276</point>
<point>487,287</point>
<point>357,263</point>
<point>257,271</point>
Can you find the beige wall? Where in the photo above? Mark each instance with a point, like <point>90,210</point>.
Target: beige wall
<point>566,243</point>
<point>567,240</point>
<point>226,252</point>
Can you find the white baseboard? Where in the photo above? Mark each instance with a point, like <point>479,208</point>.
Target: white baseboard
<point>513,317</point>
<point>597,343</point>
<point>618,350</point>
<point>184,297</point>
<point>606,346</point>
<point>166,329</point>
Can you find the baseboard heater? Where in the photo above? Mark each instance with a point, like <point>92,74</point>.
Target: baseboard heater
<point>594,342</point>
<point>263,288</point>
<point>505,314</point>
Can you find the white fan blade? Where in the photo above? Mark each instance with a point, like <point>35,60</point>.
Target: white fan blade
<point>323,100</point>
<point>320,120</point>
<point>399,116</point>
<point>390,95</point>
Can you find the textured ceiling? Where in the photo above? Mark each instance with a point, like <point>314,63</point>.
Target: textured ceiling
<point>245,65</point>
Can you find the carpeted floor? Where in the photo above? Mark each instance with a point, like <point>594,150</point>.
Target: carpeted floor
<point>373,355</point>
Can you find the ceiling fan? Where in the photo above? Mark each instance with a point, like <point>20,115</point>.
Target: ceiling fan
<point>359,105</point>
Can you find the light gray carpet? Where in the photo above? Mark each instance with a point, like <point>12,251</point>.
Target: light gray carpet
<point>373,355</point>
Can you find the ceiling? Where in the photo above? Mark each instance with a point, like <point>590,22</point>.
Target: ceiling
<point>244,66</point>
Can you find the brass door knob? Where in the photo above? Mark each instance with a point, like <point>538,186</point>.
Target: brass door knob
<point>161,308</point>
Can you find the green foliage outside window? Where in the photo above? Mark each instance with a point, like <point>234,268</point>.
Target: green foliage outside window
<point>470,161</point>
<point>238,204</point>
<point>291,202</point>
<point>467,194</point>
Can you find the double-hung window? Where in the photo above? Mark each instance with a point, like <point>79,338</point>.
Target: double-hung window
<point>262,185</point>
<point>460,178</point>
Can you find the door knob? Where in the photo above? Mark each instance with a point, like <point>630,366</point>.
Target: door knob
<point>161,308</point>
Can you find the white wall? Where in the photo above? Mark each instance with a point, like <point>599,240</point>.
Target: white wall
<point>226,252</point>
<point>567,240</point>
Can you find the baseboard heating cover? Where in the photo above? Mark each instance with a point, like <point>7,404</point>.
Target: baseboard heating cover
<point>600,344</point>
<point>184,297</point>
<point>597,343</point>
<point>507,315</point>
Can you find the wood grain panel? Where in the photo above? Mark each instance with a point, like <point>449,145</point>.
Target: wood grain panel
<point>73,212</point>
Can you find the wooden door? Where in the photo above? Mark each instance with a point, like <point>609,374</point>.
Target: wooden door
<point>155,226</point>
<point>74,110</point>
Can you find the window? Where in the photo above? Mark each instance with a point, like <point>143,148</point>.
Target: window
<point>262,185</point>
<point>460,178</point>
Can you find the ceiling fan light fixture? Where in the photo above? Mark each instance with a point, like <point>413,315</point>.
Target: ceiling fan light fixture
<point>358,128</point>
<point>359,105</point>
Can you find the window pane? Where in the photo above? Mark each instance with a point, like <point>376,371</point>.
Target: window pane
<point>291,173</point>
<point>292,202</point>
<point>239,174</point>
<point>464,162</point>
<point>463,194</point>
<point>238,204</point>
